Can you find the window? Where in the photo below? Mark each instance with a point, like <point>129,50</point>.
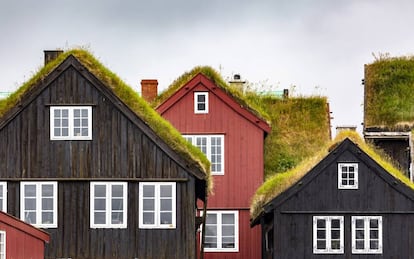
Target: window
<point>201,102</point>
<point>3,196</point>
<point>157,205</point>
<point>38,203</point>
<point>347,176</point>
<point>367,234</point>
<point>70,123</point>
<point>213,147</point>
<point>328,234</point>
<point>2,244</point>
<point>222,231</point>
<point>108,205</point>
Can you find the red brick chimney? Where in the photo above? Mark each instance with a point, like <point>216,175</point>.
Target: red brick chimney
<point>149,89</point>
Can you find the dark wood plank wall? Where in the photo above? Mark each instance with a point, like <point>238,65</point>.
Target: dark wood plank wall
<point>119,150</point>
<point>320,196</point>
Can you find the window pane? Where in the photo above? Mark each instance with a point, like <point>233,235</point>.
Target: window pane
<point>166,218</point>
<point>100,191</point>
<point>201,106</point>
<point>211,231</point>
<point>100,204</point>
<point>148,191</point>
<point>211,219</point>
<point>321,244</point>
<point>47,217</point>
<point>373,223</point>
<point>227,230</point>
<point>117,191</point>
<point>30,217</point>
<point>76,112</point>
<point>65,123</point>
<point>148,217</point>
<point>100,217</point>
<point>228,218</point>
<point>359,223</point>
<point>117,218</point>
<point>117,204</point>
<point>210,242</point>
<point>29,203</point>
<point>374,244</point>
<point>76,122</point>
<point>360,244</point>
<point>335,234</point>
<point>166,204</point>
<point>335,244</point>
<point>149,204</point>
<point>201,98</point>
<point>373,234</point>
<point>335,223</point>
<point>65,132</point>
<point>360,234</point>
<point>321,234</point>
<point>228,242</point>
<point>47,204</point>
<point>166,191</point>
<point>65,112</point>
<point>30,191</point>
<point>320,223</point>
<point>47,190</point>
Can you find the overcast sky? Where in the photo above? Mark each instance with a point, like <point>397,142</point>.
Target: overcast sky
<point>309,46</point>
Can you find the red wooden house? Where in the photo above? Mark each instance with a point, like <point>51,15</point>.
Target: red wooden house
<point>214,118</point>
<point>20,240</point>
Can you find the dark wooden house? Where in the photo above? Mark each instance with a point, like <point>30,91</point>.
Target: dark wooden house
<point>231,133</point>
<point>21,240</point>
<point>351,204</point>
<point>87,160</point>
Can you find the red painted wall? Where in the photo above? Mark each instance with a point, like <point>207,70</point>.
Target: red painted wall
<point>243,141</point>
<point>22,240</point>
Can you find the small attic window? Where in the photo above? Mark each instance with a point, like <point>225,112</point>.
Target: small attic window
<point>201,102</point>
<point>347,176</point>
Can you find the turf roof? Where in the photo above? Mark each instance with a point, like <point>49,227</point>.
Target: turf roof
<point>279,183</point>
<point>214,76</point>
<point>125,93</point>
<point>389,102</point>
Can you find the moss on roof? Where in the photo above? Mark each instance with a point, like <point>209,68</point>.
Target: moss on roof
<point>300,126</point>
<point>214,76</point>
<point>279,183</point>
<point>125,93</point>
<point>389,102</point>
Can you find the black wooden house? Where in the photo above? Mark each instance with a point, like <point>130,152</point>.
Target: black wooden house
<point>352,204</point>
<point>84,158</point>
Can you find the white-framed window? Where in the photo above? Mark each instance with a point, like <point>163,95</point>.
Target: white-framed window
<point>366,234</point>
<point>70,122</point>
<point>157,204</point>
<point>200,102</point>
<point>3,196</point>
<point>38,203</point>
<point>347,176</point>
<point>108,204</point>
<point>2,244</point>
<point>328,234</point>
<point>221,231</point>
<point>213,147</point>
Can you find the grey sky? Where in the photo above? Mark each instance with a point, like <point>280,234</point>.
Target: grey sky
<point>319,46</point>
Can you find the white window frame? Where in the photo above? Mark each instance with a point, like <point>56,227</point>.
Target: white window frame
<point>367,231</point>
<point>71,126</point>
<point>328,235</point>
<point>3,252</point>
<point>340,176</point>
<point>38,210</point>
<point>219,236</point>
<point>4,196</point>
<point>209,150</point>
<point>108,205</point>
<point>157,205</point>
<point>196,102</point>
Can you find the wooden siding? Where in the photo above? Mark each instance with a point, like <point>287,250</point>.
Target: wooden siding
<point>119,150</point>
<point>243,154</point>
<point>318,194</point>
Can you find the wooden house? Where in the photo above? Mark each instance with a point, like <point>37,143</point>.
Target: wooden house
<point>388,108</point>
<point>21,240</point>
<point>346,202</point>
<point>85,158</point>
<point>214,117</point>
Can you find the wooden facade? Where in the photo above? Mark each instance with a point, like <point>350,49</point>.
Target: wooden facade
<point>22,240</point>
<point>123,148</point>
<point>288,221</point>
<point>243,134</point>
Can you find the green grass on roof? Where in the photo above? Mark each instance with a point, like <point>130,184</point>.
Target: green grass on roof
<point>279,183</point>
<point>300,126</point>
<point>125,93</point>
<point>389,87</point>
<point>219,81</point>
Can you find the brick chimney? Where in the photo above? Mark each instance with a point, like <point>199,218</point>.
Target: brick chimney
<point>51,55</point>
<point>149,89</point>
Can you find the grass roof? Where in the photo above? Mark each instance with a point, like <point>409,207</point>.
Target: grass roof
<point>279,183</point>
<point>130,97</point>
<point>389,102</point>
<point>214,76</point>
